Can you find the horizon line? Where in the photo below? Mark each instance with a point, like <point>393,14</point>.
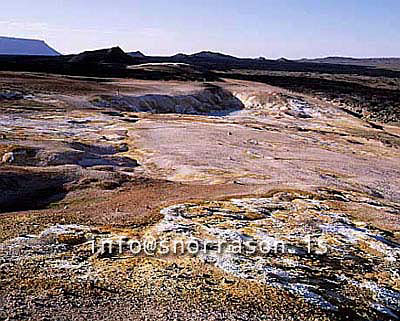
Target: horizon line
<point>212,51</point>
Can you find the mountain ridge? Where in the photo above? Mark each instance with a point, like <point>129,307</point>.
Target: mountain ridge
<point>221,57</point>
<point>371,62</point>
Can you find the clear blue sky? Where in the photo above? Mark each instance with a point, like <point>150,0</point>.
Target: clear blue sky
<point>289,28</point>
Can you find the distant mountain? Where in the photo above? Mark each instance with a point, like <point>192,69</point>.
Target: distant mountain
<point>212,55</point>
<point>180,56</point>
<point>113,55</point>
<point>136,54</point>
<point>283,59</point>
<point>202,57</point>
<point>219,61</point>
<point>368,62</point>
<point>207,59</point>
<point>28,47</point>
<point>192,58</point>
<point>114,62</point>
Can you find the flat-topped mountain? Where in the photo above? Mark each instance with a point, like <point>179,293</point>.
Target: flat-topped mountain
<point>28,47</point>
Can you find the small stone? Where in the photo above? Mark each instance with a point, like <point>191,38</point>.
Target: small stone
<point>229,281</point>
<point>71,239</point>
<point>8,158</point>
<point>123,148</point>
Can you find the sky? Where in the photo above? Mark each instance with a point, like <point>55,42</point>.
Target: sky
<point>244,28</point>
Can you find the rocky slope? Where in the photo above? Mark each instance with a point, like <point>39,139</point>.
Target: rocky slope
<point>208,101</point>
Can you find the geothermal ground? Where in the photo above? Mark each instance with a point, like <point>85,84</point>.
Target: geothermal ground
<point>89,160</point>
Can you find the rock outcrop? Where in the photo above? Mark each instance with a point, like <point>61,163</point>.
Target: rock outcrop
<point>211,100</point>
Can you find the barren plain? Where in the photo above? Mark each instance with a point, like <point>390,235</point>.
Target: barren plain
<point>89,159</point>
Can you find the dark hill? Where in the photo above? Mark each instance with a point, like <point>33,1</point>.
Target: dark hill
<point>283,59</point>
<point>136,54</point>
<point>212,55</point>
<point>113,55</point>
